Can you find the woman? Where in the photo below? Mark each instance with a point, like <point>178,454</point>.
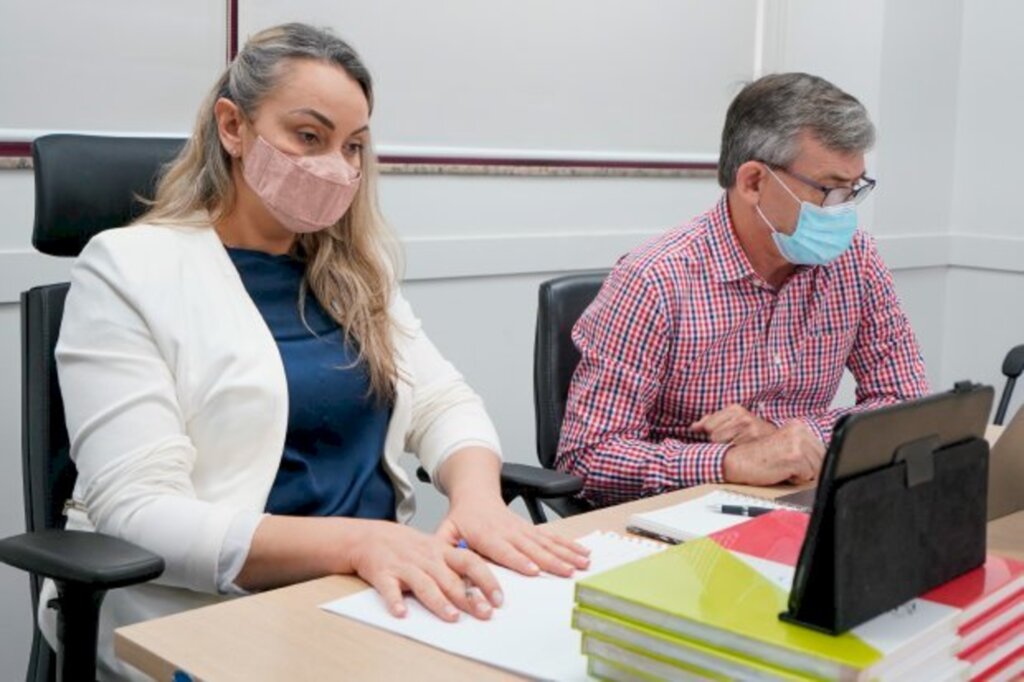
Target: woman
<point>240,373</point>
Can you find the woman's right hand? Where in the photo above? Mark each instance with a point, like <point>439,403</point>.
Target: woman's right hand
<point>396,559</point>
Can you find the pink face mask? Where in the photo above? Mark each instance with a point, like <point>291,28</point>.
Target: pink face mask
<point>305,193</point>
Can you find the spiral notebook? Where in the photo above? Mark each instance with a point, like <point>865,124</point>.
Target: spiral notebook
<point>697,518</point>
<point>531,634</point>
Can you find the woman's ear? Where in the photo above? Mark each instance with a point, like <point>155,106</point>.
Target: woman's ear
<point>230,124</point>
<point>750,179</point>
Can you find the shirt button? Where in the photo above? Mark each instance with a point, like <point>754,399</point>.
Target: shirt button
<point>778,360</point>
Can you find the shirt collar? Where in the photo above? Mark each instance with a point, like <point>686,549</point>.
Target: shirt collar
<point>728,261</point>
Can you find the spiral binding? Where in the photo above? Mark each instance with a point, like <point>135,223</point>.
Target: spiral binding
<point>632,539</point>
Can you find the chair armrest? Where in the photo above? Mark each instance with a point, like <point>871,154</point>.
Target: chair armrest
<point>90,560</point>
<point>522,479</point>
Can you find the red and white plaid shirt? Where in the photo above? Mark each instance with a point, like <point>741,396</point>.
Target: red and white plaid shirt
<point>684,327</point>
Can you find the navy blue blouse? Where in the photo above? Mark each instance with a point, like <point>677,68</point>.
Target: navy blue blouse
<point>332,463</point>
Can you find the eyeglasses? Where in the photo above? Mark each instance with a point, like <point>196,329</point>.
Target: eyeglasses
<point>833,196</point>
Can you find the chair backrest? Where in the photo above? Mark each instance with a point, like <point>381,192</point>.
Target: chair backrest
<point>1013,366</point>
<point>83,185</point>
<point>88,183</point>
<point>47,471</point>
<point>561,302</point>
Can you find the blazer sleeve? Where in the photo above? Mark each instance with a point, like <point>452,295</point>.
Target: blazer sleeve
<point>125,422</point>
<point>446,413</point>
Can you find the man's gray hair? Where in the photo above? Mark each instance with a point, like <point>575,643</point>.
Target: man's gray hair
<point>765,120</point>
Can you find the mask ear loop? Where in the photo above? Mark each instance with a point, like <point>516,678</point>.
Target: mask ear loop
<point>758,206</point>
<point>767,222</point>
<point>784,185</point>
<point>237,153</point>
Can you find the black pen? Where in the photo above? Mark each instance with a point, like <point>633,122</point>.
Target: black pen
<point>653,536</point>
<point>740,510</point>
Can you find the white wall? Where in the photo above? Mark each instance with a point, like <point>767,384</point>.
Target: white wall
<point>588,75</point>
<point>15,607</point>
<point>986,288</point>
<point>117,66</point>
<point>478,246</point>
<point>988,138</point>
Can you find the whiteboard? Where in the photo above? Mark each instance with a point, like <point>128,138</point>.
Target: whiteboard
<point>611,77</point>
<point>112,66</point>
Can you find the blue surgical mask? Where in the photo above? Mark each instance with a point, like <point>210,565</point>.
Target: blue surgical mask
<point>822,233</point>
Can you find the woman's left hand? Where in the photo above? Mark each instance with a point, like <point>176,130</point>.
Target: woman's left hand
<point>492,530</point>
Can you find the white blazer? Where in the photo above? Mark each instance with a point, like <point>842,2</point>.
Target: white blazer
<point>177,408</point>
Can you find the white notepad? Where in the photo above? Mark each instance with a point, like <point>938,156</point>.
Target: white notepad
<point>696,518</point>
<point>531,634</point>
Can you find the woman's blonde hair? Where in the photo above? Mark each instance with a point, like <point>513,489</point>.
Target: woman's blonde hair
<point>351,266</point>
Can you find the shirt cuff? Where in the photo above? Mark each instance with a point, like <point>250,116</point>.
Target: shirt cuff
<point>702,463</point>
<point>811,423</point>
<point>235,551</point>
<point>815,429</point>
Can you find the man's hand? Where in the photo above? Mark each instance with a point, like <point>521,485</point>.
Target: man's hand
<point>733,424</point>
<point>792,453</point>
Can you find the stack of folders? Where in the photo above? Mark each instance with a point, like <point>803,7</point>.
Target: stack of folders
<point>709,609</point>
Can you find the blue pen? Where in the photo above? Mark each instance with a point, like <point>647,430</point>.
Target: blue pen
<point>471,589</point>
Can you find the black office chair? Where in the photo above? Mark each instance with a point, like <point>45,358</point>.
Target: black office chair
<point>83,185</point>
<point>1013,365</point>
<point>560,303</point>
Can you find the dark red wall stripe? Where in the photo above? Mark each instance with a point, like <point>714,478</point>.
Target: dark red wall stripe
<point>18,149</point>
<point>548,162</point>
<point>15,148</point>
<point>232,29</point>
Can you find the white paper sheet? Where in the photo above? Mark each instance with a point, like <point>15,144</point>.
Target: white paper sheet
<point>531,634</point>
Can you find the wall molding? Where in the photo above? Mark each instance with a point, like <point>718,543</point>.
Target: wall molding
<point>430,165</point>
<point>986,252</point>
<point>456,257</point>
<point>16,154</point>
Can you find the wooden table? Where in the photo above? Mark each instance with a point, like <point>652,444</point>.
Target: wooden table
<point>283,635</point>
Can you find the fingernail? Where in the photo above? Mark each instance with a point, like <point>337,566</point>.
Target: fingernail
<point>398,609</point>
<point>532,567</point>
<point>497,598</point>
<point>483,607</point>
<point>451,612</point>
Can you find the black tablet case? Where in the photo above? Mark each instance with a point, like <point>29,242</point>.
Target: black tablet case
<point>881,537</point>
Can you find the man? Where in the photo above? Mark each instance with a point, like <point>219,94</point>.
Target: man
<point>713,353</point>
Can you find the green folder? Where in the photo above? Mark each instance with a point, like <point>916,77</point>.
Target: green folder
<point>702,592</point>
<point>609,660</point>
<point>602,629</point>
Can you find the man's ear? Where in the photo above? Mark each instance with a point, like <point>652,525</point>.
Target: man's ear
<point>230,124</point>
<point>751,177</point>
